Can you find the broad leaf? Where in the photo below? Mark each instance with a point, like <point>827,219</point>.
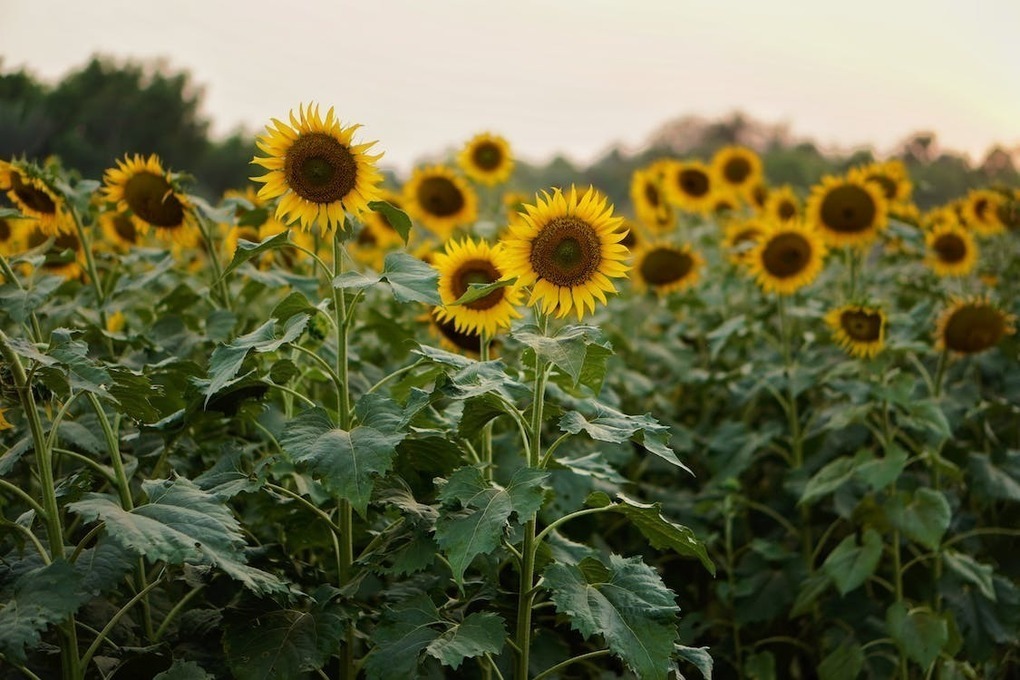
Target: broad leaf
<point>832,476</point>
<point>922,516</point>
<point>347,463</point>
<point>699,657</point>
<point>849,565</point>
<point>623,601</point>
<point>183,670</point>
<point>477,291</point>
<point>396,217</point>
<point>845,663</point>
<point>568,350</point>
<point>606,424</point>
<point>405,633</point>
<point>246,250</point>
<point>996,479</point>
<point>37,600</point>
<point>971,571</point>
<point>226,359</point>
<point>920,632</point>
<point>478,634</point>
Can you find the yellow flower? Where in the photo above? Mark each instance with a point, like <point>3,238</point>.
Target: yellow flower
<point>4,424</point>
<point>665,268</point>
<point>737,167</point>
<point>471,261</point>
<point>758,195</point>
<point>972,325</point>
<point>782,204</point>
<point>649,202</point>
<point>12,235</point>
<point>858,329</point>
<point>142,187</point>
<point>59,261</point>
<point>740,238</point>
<point>119,230</point>
<point>567,250</point>
<point>316,169</point>
<point>847,211</point>
<point>34,197</point>
<point>787,258</point>
<point>115,322</point>
<point>688,185</point>
<point>453,340</point>
<point>981,212</point>
<point>440,199</point>
<point>952,250</point>
<point>890,177</point>
<point>486,159</point>
<point>513,203</point>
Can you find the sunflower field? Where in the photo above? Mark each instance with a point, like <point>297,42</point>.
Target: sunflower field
<point>334,426</point>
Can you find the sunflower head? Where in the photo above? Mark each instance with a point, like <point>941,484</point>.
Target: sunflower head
<point>740,238</point>
<point>782,204</point>
<point>787,258</point>
<point>440,199</point>
<point>952,250</point>
<point>689,185</point>
<point>973,325</point>
<point>462,264</point>
<point>890,177</point>
<point>567,250</point>
<point>1008,211</point>
<point>646,194</point>
<point>981,212</point>
<point>316,170</point>
<point>847,211</point>
<point>737,167</point>
<point>30,190</point>
<point>860,330</point>
<point>65,255</point>
<point>486,159</point>
<point>665,268</point>
<point>724,202</point>
<point>453,340</point>
<point>142,188</point>
<point>120,230</point>
<point>758,195</point>
<point>12,234</point>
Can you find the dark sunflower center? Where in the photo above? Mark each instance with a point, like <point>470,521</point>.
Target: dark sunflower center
<point>736,170</point>
<point>125,228</point>
<point>478,271</point>
<point>889,185</point>
<point>759,195</point>
<point>439,196</point>
<point>652,195</point>
<point>36,238</point>
<point>664,266</point>
<point>320,169</point>
<point>848,209</point>
<point>366,237</point>
<point>786,255</point>
<point>62,242</point>
<point>469,342</point>
<point>1009,214</point>
<point>5,231</point>
<point>693,182</point>
<point>862,326</point>
<point>980,206</point>
<point>152,198</point>
<point>950,248</point>
<point>487,156</point>
<point>566,252</point>
<point>32,197</point>
<point>974,328</point>
<point>787,210</point>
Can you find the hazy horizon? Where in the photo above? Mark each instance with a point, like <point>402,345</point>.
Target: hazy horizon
<point>572,79</point>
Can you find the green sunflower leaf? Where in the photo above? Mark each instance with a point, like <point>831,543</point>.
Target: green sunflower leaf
<point>37,600</point>
<point>606,424</point>
<point>411,279</point>
<point>397,218</point>
<point>580,351</point>
<point>477,634</point>
<point>625,602</point>
<point>922,515</point>
<point>920,632</point>
<point>183,670</point>
<point>246,250</point>
<point>849,565</point>
<point>477,291</point>
<point>406,631</point>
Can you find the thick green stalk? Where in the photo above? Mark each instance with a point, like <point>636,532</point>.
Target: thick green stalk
<point>219,283</point>
<point>898,585</point>
<point>487,430</point>
<point>796,435</point>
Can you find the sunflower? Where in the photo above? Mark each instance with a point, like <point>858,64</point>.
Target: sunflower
<point>758,195</point>
<point>981,212</point>
<point>664,267</point>
<point>57,262</point>
<point>115,322</point>
<point>462,264</point>
<point>787,258</point>
<point>440,199</point>
<point>972,325</point>
<point>143,188</point>
<point>647,197</point>
<point>316,169</point>
<point>782,204</point>
<point>120,230</point>
<point>860,330</point>
<point>12,235</point>
<point>952,250</point>
<point>737,167</point>
<point>1008,211</point>
<point>633,234</point>
<point>463,342</point>
<point>486,159</point>
<point>4,424</point>
<point>688,185</point>
<point>567,250</point>
<point>890,177</point>
<point>847,211</point>
<point>35,198</point>
<point>724,201</point>
<point>740,238</point>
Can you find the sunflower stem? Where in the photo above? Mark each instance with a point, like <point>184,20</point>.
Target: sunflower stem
<point>940,374</point>
<point>219,282</point>
<point>485,340</point>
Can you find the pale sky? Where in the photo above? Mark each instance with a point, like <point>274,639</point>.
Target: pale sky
<point>563,76</point>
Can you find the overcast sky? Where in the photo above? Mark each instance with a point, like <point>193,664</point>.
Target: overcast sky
<point>570,76</point>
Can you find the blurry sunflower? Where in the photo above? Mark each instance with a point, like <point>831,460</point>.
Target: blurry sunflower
<point>440,199</point>
<point>860,330</point>
<point>952,250</point>
<point>740,238</point>
<point>64,257</point>
<point>115,322</point>
<point>1008,210</point>
<point>4,424</point>
<point>647,198</point>
<point>972,325</point>
<point>664,267</point>
<point>737,167</point>
<point>486,159</point>
<point>453,340</point>
<point>513,203</point>
<point>688,185</point>
<point>758,195</point>
<point>34,197</point>
<point>12,235</point>
<point>316,169</point>
<point>847,211</point>
<point>783,204</point>
<point>141,186</point>
<point>787,258</point>
<point>567,250</point>
<point>724,201</point>
<point>633,234</point>
<point>119,230</point>
<point>466,262</point>
<point>981,212</point>
<point>891,177</point>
